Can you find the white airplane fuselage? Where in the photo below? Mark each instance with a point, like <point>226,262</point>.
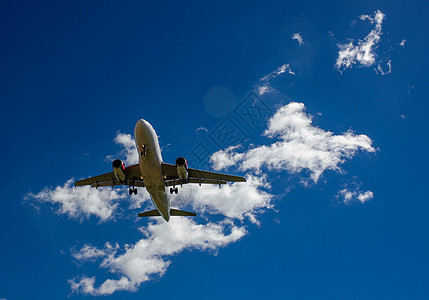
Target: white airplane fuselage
<point>150,163</point>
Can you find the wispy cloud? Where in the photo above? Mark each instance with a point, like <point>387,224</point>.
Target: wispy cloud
<point>91,253</point>
<point>297,36</point>
<point>363,52</point>
<point>389,68</point>
<point>299,146</point>
<point>402,43</point>
<point>201,128</point>
<point>348,196</point>
<point>263,85</point>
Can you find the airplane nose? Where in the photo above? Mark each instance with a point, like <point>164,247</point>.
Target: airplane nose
<point>140,127</point>
<point>139,124</point>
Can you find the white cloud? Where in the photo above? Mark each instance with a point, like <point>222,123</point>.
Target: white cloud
<point>363,52</point>
<point>129,151</point>
<point>297,36</point>
<point>201,128</point>
<point>263,85</point>
<point>235,201</point>
<point>139,200</point>
<point>80,202</point>
<point>299,146</point>
<point>364,197</point>
<point>402,44</point>
<point>148,257</point>
<point>349,196</point>
<point>263,89</point>
<point>91,253</point>
<point>382,72</point>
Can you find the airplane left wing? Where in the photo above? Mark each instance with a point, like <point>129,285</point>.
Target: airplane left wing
<point>109,179</point>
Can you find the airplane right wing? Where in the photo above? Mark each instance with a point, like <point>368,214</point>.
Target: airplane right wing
<point>195,173</point>
<point>198,176</point>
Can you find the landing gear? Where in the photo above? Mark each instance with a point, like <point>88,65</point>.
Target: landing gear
<point>174,190</point>
<point>131,185</point>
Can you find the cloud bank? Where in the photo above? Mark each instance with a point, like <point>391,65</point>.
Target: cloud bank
<point>298,145</point>
<point>148,258</point>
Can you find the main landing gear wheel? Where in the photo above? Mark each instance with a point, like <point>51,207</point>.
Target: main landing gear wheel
<point>175,190</point>
<point>132,191</point>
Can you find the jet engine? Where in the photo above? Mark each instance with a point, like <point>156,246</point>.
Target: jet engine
<point>182,168</point>
<point>119,169</point>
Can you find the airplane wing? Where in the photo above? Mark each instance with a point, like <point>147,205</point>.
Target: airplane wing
<point>109,179</point>
<point>198,176</point>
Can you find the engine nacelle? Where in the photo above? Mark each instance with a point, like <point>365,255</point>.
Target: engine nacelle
<point>182,168</point>
<point>119,170</point>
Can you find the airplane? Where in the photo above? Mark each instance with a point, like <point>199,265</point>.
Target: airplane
<point>151,172</point>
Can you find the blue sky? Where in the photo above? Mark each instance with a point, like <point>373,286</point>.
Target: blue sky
<point>336,205</point>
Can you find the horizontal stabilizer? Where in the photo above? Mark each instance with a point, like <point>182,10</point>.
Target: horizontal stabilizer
<point>150,213</point>
<point>182,213</point>
<point>173,212</point>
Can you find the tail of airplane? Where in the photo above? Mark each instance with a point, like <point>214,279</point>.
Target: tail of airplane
<point>173,212</point>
